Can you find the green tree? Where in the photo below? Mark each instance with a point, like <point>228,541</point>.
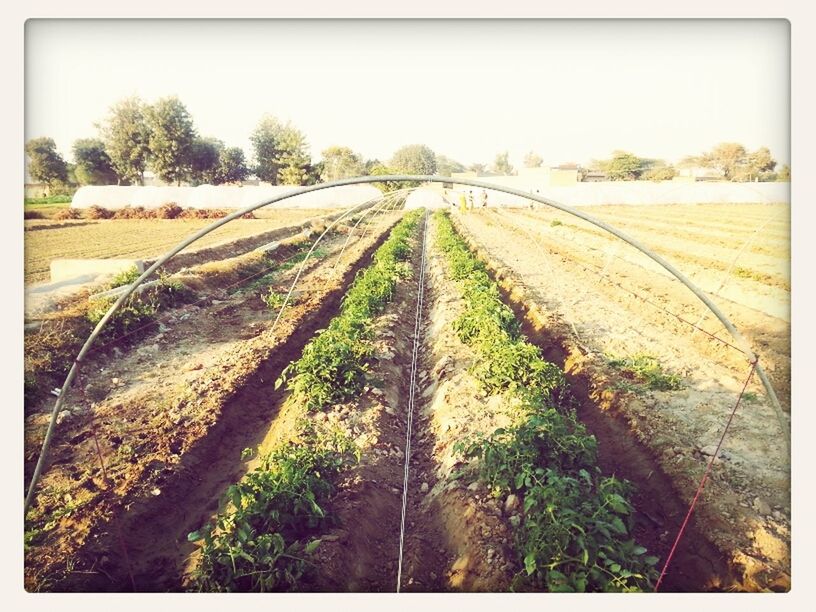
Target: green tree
<point>44,162</point>
<point>205,160</point>
<point>382,170</point>
<point>623,166</point>
<point>501,165</point>
<point>477,168</point>
<point>414,159</point>
<point>445,166</point>
<point>281,152</point>
<point>532,160</point>
<point>232,167</point>
<point>171,139</point>
<point>339,163</point>
<point>92,164</point>
<point>126,135</point>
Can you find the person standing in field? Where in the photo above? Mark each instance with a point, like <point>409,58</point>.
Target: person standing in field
<point>462,202</point>
<point>483,198</point>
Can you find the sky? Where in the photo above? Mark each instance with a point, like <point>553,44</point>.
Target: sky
<point>570,90</point>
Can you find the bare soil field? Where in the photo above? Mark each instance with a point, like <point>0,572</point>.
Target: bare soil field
<point>597,304</point>
<point>47,239</point>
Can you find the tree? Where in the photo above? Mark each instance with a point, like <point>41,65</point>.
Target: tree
<point>281,152</point>
<point>659,172</point>
<point>737,164</point>
<point>339,163</point>
<point>126,136</point>
<point>501,165</point>
<point>45,163</point>
<point>171,139</point>
<point>387,186</point>
<point>232,166</point>
<point>92,164</point>
<point>414,159</point>
<point>445,166</point>
<point>726,157</point>
<point>477,168</point>
<point>205,160</point>
<point>784,173</point>
<point>623,166</point>
<point>532,160</point>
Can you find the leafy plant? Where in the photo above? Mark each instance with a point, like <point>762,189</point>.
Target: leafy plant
<point>647,369</point>
<point>573,532</point>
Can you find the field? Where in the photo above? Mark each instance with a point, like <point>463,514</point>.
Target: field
<point>46,239</point>
<point>484,401</point>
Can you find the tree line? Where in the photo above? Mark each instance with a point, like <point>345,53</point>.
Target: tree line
<point>161,137</point>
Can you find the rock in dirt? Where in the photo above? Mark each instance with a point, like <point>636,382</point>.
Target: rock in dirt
<point>515,520</point>
<point>709,451</point>
<point>423,488</point>
<point>511,504</point>
<point>473,486</point>
<point>761,506</point>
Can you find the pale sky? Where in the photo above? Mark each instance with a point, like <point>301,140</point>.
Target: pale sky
<point>569,90</point>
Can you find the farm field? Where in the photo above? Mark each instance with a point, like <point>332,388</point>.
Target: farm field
<point>475,401</point>
<point>613,314</point>
<point>47,239</point>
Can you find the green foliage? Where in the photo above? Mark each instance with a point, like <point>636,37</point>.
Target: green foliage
<point>171,139</point>
<point>44,162</point>
<point>138,310</point>
<point>205,159</point>
<point>93,165</point>
<point>573,534</point>
<point>339,163</point>
<point>274,300</point>
<point>623,166</point>
<point>262,540</point>
<point>414,159</point>
<point>659,173</point>
<point>48,201</point>
<point>232,166</point>
<point>125,277</point>
<point>334,364</point>
<point>126,135</point>
<point>648,370</point>
<point>281,152</point>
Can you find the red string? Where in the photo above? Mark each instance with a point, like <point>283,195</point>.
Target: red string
<point>703,480</point>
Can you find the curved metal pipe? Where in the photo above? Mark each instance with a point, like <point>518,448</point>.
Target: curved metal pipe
<point>735,334</point>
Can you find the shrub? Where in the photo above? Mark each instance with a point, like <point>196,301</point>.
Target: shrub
<point>136,212</point>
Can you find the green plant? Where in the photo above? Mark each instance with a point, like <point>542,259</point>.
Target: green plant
<point>261,542</point>
<point>274,300</point>
<point>574,532</point>
<point>334,364</point>
<point>125,277</point>
<point>556,223</point>
<point>647,369</point>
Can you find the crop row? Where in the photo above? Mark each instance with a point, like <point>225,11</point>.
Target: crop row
<point>574,533</point>
<point>272,518</point>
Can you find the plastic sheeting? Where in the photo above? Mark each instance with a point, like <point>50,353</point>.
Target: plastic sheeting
<point>114,197</point>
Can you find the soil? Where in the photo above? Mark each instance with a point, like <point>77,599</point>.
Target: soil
<point>170,417</point>
<point>745,508</point>
<point>46,240</point>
